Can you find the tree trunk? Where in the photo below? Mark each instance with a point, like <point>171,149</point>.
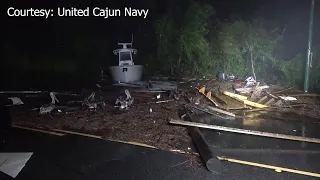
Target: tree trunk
<point>252,65</point>
<point>171,68</point>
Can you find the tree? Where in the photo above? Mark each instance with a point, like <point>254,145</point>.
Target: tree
<point>249,40</point>
<point>182,45</point>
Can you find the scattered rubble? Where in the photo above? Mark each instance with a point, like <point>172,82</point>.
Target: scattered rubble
<point>146,108</point>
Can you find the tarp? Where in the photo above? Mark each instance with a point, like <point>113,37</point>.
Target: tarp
<point>12,163</point>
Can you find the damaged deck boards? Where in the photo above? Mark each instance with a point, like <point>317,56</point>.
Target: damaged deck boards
<point>244,100</point>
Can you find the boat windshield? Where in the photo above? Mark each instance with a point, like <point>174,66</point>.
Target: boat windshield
<point>125,56</point>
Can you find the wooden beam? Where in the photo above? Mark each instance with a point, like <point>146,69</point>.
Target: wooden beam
<point>221,111</point>
<point>244,99</point>
<point>237,96</point>
<point>250,103</point>
<point>269,102</point>
<point>212,108</point>
<point>208,95</point>
<point>245,131</point>
<point>262,99</point>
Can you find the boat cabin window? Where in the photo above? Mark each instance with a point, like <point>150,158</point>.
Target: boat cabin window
<point>125,56</point>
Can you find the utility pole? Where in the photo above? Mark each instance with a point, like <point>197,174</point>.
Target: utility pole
<point>309,54</point>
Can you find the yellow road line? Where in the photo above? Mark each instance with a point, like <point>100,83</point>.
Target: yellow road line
<point>77,133</point>
<point>276,168</point>
<point>136,143</point>
<point>184,152</point>
<point>38,130</point>
<point>100,137</point>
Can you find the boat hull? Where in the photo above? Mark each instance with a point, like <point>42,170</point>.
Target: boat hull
<point>126,74</point>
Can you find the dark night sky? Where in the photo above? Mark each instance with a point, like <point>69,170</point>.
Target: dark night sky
<point>42,35</point>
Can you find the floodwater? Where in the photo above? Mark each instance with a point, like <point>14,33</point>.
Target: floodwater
<point>295,125</point>
<point>264,150</point>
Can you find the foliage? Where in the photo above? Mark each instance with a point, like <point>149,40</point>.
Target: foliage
<point>293,76</point>
<point>245,43</point>
<point>167,51</point>
<point>183,45</point>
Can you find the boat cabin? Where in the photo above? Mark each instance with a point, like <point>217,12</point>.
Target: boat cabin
<point>125,54</point>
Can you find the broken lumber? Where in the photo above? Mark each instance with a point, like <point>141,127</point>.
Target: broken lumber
<point>208,95</point>
<point>283,90</point>
<point>269,102</point>
<point>237,96</point>
<point>248,90</point>
<point>250,103</point>
<point>306,95</point>
<point>221,111</point>
<point>276,107</point>
<point>245,131</point>
<point>271,95</point>
<point>255,91</point>
<point>262,99</point>
<point>214,109</point>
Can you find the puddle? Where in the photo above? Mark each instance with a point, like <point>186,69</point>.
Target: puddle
<point>298,126</point>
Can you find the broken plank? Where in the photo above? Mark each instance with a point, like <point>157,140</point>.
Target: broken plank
<point>248,90</point>
<point>271,95</point>
<point>208,95</point>
<point>237,96</point>
<point>262,99</point>
<point>244,100</point>
<point>276,107</point>
<point>215,103</point>
<point>278,103</point>
<point>280,91</point>
<point>202,90</point>
<point>255,91</point>
<point>270,101</point>
<point>206,111</point>
<point>306,95</point>
<point>245,131</point>
<point>250,103</point>
<point>221,111</point>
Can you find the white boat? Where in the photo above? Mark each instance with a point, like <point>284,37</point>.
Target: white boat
<point>126,71</point>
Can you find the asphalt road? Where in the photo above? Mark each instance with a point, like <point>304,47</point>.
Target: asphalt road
<point>77,157</point>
